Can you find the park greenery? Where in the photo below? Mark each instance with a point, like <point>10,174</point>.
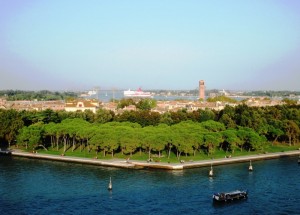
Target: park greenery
<point>221,99</point>
<point>43,95</point>
<point>143,134</point>
<point>142,104</point>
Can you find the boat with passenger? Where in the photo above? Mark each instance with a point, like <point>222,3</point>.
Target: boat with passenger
<point>230,196</point>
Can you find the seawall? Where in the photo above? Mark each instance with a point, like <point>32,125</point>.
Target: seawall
<point>135,164</point>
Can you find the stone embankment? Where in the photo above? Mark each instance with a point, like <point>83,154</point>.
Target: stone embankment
<point>134,164</point>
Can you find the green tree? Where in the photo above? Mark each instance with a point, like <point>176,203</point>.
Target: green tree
<point>148,143</point>
<point>31,136</point>
<point>227,121</point>
<point>289,101</point>
<point>49,131</point>
<point>166,118</point>
<point>147,118</point>
<point>275,132</point>
<point>11,122</point>
<point>113,143</point>
<point>127,140</point>
<point>97,141</point>
<point>125,102</point>
<point>206,115</point>
<point>213,125</point>
<point>178,142</point>
<point>146,104</point>
<point>211,141</point>
<point>292,131</point>
<point>89,116</point>
<point>256,142</point>
<point>104,116</point>
<point>178,116</point>
<point>242,134</point>
<point>48,116</point>
<point>221,99</point>
<point>198,140</point>
<point>230,137</point>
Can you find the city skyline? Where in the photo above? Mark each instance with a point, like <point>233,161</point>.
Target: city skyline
<point>75,45</point>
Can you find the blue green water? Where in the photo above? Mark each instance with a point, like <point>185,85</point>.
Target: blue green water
<point>45,187</point>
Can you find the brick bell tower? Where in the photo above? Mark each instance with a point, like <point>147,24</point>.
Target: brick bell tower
<point>201,90</point>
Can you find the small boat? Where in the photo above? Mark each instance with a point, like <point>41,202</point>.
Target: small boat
<point>250,167</point>
<point>109,184</point>
<point>230,196</point>
<point>211,172</point>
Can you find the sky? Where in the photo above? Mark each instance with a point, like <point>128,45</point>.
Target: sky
<point>153,44</point>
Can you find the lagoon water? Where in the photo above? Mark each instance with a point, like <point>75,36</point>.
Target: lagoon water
<point>106,96</point>
<point>29,186</point>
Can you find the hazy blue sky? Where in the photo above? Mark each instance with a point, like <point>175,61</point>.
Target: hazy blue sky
<point>153,44</point>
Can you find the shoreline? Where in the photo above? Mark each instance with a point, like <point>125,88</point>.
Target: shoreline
<point>135,164</point>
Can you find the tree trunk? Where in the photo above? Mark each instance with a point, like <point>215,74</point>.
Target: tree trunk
<point>74,145</point>
<point>43,147</point>
<point>169,153</point>
<point>88,145</point>
<point>275,140</point>
<point>57,139</point>
<point>65,144</point>
<point>149,153</point>
<point>51,139</point>
<point>179,154</point>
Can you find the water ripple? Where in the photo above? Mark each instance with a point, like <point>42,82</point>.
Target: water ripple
<point>46,187</point>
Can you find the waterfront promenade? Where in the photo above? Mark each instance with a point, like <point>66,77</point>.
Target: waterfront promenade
<point>135,164</point>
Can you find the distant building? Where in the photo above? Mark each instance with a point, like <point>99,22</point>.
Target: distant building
<point>201,90</point>
<point>82,106</point>
<point>28,105</point>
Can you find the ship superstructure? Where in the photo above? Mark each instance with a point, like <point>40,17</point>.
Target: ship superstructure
<point>137,93</point>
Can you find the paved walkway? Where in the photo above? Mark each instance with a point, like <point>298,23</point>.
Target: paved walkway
<point>113,162</point>
<point>158,165</point>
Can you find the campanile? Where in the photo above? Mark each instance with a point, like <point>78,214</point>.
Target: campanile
<point>201,90</point>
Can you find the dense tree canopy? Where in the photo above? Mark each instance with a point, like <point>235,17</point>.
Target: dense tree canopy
<point>13,95</point>
<point>183,133</point>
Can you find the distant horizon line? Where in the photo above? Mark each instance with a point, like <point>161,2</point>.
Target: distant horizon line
<point>122,89</point>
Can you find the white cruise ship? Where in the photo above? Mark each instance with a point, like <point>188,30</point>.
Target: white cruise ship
<point>138,93</point>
